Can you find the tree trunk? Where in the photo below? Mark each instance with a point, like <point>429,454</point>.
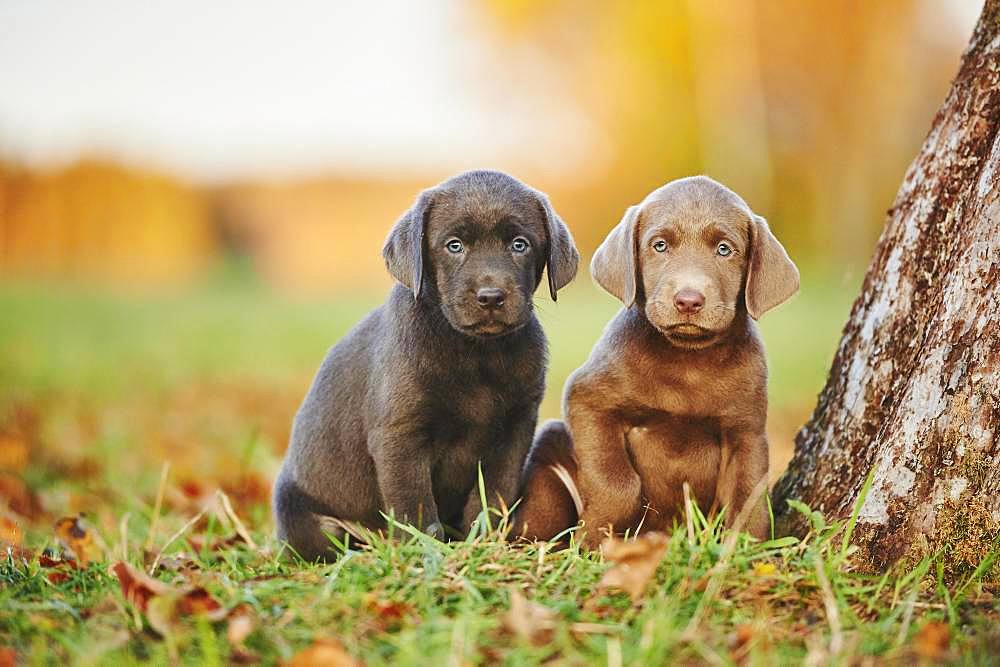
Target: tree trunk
<point>914,391</point>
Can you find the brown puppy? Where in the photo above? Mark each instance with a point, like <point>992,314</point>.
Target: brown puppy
<point>676,389</point>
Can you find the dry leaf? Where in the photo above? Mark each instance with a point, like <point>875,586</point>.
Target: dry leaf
<point>389,615</point>
<point>137,587</point>
<point>529,620</point>
<point>242,622</point>
<point>164,605</point>
<point>13,452</point>
<point>8,657</point>
<point>73,536</point>
<point>324,653</point>
<point>198,543</point>
<point>635,563</point>
<point>20,498</point>
<point>10,532</point>
<point>764,569</point>
<point>932,641</point>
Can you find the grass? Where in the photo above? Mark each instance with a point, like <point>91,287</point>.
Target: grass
<point>715,597</point>
<point>99,390</point>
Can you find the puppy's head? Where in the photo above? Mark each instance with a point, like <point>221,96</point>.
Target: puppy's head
<point>477,245</point>
<point>693,254</point>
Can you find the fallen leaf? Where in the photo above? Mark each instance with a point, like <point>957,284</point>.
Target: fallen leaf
<point>248,489</point>
<point>324,653</point>
<point>529,620</point>
<point>390,615</point>
<point>20,498</point>
<point>242,622</point>
<point>57,577</point>
<point>10,532</point>
<point>739,643</point>
<point>73,536</point>
<point>198,543</point>
<point>932,641</point>
<point>8,657</point>
<point>13,452</point>
<point>199,602</point>
<point>764,569</point>
<point>635,563</point>
<point>137,587</point>
<point>164,605</point>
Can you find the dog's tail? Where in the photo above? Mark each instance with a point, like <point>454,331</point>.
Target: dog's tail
<point>551,501</point>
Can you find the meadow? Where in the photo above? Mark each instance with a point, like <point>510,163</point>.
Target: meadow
<point>139,433</point>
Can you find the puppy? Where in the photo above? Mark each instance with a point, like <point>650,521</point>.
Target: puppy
<point>443,377</point>
<point>676,389</point>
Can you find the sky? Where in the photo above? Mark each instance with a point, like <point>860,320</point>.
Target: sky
<point>226,90</point>
<point>221,90</point>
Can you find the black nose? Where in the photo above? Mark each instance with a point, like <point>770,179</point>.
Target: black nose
<point>491,298</point>
<point>689,301</point>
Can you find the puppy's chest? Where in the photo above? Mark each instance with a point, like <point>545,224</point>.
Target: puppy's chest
<point>696,392</point>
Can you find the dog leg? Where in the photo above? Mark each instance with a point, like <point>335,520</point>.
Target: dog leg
<point>741,469</point>
<point>502,467</point>
<point>404,478</point>
<point>550,501</point>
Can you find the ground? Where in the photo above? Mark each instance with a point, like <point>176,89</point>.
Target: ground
<point>161,419</point>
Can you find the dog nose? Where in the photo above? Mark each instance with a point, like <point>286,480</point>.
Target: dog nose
<point>491,298</point>
<point>689,301</point>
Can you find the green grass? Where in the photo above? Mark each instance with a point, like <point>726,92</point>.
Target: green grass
<point>409,599</point>
<point>99,390</point>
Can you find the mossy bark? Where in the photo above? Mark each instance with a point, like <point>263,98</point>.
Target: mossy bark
<point>914,391</point>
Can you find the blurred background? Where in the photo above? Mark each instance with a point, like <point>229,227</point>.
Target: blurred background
<point>193,196</point>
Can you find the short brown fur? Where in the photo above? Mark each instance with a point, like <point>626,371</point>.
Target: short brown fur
<point>668,396</point>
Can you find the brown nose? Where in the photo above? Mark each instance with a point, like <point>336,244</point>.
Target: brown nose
<point>491,298</point>
<point>689,301</point>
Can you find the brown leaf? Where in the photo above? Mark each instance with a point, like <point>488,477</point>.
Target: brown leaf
<point>389,615</point>
<point>73,536</point>
<point>57,577</point>
<point>324,653</point>
<point>13,452</point>
<point>8,657</point>
<point>198,542</point>
<point>20,498</point>
<point>137,587</point>
<point>242,622</point>
<point>199,602</point>
<point>932,641</point>
<point>529,620</point>
<point>10,532</point>
<point>635,563</point>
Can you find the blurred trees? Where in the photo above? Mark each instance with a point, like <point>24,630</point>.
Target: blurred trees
<point>810,110</point>
<point>101,220</point>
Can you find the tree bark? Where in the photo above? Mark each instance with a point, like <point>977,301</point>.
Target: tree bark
<point>914,390</point>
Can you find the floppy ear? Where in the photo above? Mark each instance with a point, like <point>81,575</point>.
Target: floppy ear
<point>772,277</point>
<point>615,266</point>
<point>562,258</point>
<point>404,247</point>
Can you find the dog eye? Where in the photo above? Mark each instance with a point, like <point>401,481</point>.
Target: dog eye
<point>519,245</point>
<point>660,245</point>
<point>454,246</point>
<point>724,250</point>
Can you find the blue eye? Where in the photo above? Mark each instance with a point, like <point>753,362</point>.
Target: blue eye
<point>454,246</point>
<point>660,245</point>
<point>724,250</point>
<point>520,245</point>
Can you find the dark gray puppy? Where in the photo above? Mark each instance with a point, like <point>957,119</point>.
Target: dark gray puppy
<point>446,374</point>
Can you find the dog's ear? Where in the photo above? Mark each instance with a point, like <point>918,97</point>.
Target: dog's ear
<point>562,258</point>
<point>772,277</point>
<point>615,266</point>
<point>404,247</point>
